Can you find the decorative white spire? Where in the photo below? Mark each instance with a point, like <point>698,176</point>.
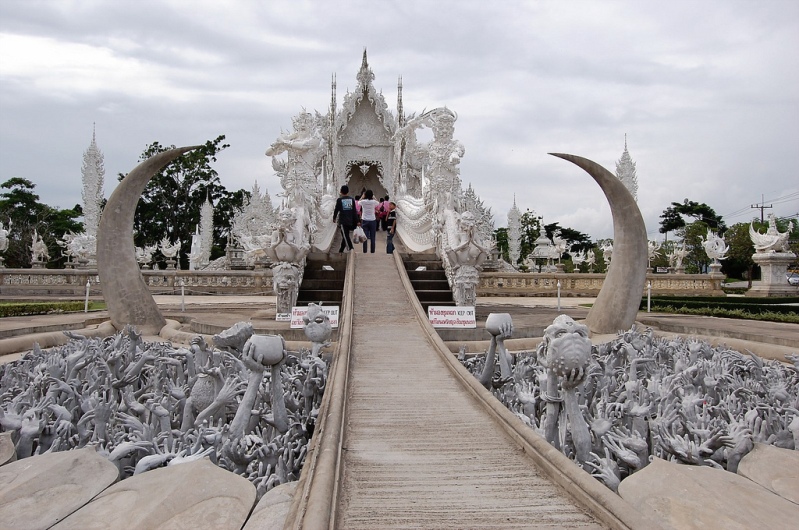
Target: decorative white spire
<point>206,231</point>
<point>400,111</point>
<point>365,75</point>
<point>625,171</point>
<point>93,173</point>
<point>514,233</point>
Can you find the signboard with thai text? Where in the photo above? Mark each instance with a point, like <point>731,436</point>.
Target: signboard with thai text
<point>441,316</point>
<point>297,312</point>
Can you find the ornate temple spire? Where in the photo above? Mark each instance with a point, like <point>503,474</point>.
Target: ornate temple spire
<point>93,173</point>
<point>625,171</point>
<point>365,75</point>
<point>400,112</point>
<point>206,230</point>
<point>332,98</point>
<point>514,233</point>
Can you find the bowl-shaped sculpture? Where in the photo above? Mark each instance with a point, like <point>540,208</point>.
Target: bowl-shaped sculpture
<point>267,350</point>
<point>495,322</point>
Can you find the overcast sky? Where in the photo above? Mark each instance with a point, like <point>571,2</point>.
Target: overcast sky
<point>707,92</point>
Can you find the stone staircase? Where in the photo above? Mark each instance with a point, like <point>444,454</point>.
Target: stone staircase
<point>430,285</point>
<point>320,285</point>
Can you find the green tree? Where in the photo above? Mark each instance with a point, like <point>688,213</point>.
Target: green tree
<point>672,218</point>
<point>170,204</point>
<point>577,241</point>
<point>739,262</point>
<point>22,214</point>
<point>501,237</point>
<point>696,261</point>
<point>531,229</point>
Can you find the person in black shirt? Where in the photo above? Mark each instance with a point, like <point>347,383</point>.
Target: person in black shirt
<point>347,217</point>
<point>391,227</point>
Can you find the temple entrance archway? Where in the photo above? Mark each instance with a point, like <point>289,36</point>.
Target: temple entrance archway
<point>364,174</point>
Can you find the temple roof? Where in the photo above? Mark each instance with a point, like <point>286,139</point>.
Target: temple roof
<point>365,88</point>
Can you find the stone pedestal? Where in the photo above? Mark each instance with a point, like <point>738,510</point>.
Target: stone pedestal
<point>37,265</point>
<point>773,267</point>
<point>170,264</point>
<point>715,270</point>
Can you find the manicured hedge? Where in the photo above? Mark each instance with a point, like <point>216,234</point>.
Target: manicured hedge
<point>18,309</point>
<point>740,300</point>
<point>746,308</point>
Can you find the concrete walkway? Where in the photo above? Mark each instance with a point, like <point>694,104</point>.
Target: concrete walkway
<point>419,452</point>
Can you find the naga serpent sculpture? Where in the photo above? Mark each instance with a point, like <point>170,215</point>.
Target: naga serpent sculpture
<point>127,296</point>
<point>617,302</point>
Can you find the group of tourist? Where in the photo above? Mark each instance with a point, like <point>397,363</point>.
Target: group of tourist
<point>366,215</point>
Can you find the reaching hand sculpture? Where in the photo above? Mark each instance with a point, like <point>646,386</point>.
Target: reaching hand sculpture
<point>500,326</point>
<point>642,396</point>
<point>146,405</point>
<point>262,352</point>
<point>565,352</point>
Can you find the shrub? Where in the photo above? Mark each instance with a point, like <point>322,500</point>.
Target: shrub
<point>18,309</point>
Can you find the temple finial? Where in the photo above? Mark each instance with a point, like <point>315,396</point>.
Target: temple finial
<point>400,112</point>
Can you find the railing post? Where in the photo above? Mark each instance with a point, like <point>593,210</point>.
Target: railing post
<point>558,295</point>
<point>86,301</point>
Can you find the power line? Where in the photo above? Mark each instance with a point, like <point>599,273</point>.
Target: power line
<point>778,200</point>
<point>762,206</point>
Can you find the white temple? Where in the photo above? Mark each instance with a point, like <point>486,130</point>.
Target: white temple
<point>625,171</point>
<point>364,145</point>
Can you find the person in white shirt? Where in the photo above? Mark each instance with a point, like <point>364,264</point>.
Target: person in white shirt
<point>369,219</point>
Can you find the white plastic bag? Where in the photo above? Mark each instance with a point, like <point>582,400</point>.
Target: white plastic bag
<point>358,235</point>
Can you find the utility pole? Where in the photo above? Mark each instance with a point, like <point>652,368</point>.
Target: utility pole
<point>762,206</point>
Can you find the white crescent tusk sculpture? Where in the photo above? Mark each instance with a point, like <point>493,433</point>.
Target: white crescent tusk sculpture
<point>617,303</point>
<point>127,296</point>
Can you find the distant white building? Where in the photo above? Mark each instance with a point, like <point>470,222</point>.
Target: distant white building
<point>93,172</point>
<point>625,171</point>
